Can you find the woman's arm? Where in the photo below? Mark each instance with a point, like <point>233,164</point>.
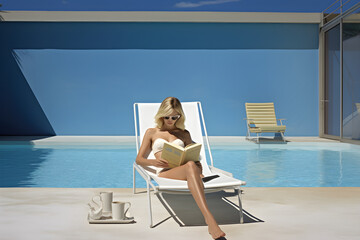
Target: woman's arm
<point>145,150</point>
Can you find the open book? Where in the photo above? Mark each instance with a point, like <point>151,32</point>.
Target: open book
<point>177,156</point>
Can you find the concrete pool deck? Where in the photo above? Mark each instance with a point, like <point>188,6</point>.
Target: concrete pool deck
<point>270,213</point>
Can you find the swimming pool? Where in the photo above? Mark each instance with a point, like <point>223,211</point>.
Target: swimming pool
<point>294,164</point>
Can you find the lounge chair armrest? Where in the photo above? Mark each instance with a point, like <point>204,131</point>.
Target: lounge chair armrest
<point>280,119</point>
<point>217,170</point>
<point>249,119</point>
<point>141,171</point>
<point>144,174</point>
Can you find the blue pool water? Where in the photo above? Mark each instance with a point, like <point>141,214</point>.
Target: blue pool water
<point>106,166</point>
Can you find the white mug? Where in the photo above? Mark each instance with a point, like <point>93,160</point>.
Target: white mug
<point>106,199</point>
<point>118,210</point>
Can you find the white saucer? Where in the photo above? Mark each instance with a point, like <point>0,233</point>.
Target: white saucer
<point>105,219</point>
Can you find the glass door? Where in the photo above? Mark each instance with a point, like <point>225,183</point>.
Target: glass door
<point>332,89</point>
<point>351,77</point>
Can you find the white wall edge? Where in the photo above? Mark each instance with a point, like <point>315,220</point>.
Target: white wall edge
<point>119,16</point>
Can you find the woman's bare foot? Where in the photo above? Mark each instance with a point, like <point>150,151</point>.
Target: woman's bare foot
<point>214,230</point>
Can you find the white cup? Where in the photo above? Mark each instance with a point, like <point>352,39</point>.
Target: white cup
<point>118,210</point>
<point>106,199</point>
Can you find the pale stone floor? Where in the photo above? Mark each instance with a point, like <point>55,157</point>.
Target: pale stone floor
<point>271,213</point>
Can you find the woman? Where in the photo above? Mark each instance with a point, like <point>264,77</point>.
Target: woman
<point>170,127</point>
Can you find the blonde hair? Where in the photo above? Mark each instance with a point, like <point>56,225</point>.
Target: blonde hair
<point>166,108</point>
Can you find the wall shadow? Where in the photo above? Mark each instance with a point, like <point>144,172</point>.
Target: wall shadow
<point>20,140</point>
<point>132,35</point>
<point>18,162</point>
<point>24,115</point>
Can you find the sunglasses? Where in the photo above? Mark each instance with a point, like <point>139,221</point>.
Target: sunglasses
<point>176,117</point>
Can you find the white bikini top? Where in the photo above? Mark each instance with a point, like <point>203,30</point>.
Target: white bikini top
<point>159,144</point>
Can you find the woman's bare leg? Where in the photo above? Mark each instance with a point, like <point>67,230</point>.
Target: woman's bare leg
<point>191,173</point>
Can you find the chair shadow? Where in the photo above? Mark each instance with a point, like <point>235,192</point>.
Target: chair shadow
<point>183,209</point>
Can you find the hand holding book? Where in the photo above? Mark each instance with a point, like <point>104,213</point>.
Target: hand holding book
<point>162,163</point>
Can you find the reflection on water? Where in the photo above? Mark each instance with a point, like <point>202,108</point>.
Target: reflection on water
<point>66,166</point>
<point>340,168</point>
<point>263,165</point>
<point>293,165</point>
<point>18,162</point>
<point>270,165</point>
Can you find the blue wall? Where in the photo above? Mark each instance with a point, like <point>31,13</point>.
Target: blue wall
<point>82,78</point>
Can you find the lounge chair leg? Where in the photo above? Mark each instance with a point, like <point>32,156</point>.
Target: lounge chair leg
<point>134,187</point>
<point>149,200</point>
<point>238,191</point>
<point>282,135</point>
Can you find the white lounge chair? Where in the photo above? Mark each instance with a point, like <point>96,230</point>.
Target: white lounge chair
<point>144,118</point>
